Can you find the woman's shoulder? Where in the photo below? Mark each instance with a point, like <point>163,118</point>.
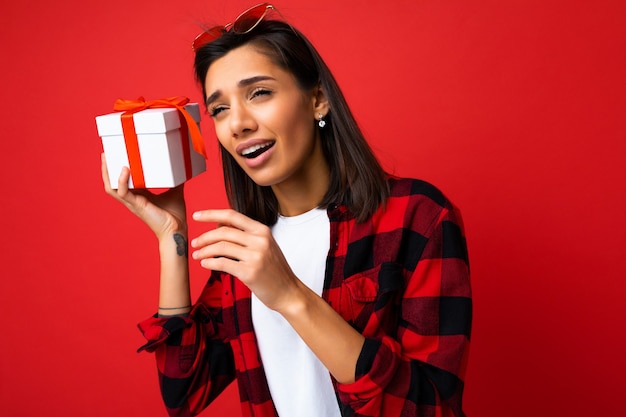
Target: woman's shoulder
<point>417,189</point>
<point>420,206</point>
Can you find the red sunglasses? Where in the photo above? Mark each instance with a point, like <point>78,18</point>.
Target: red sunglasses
<point>244,23</point>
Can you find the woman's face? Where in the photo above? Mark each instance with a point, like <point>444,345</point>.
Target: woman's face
<point>263,119</point>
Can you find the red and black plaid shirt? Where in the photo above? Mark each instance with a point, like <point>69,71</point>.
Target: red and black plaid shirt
<point>400,278</point>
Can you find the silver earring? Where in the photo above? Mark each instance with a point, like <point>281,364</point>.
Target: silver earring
<point>321,122</point>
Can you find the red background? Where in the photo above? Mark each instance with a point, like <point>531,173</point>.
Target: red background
<point>516,109</point>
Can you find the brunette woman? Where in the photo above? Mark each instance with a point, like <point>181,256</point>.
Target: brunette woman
<point>335,289</point>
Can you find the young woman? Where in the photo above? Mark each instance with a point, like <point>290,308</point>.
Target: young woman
<point>335,289</point>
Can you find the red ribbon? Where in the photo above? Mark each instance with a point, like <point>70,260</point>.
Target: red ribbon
<point>188,126</point>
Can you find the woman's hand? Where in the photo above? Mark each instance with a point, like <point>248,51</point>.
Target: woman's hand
<point>246,249</point>
<point>163,213</point>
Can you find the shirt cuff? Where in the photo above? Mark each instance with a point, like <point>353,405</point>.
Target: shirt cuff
<point>375,369</point>
<point>157,330</point>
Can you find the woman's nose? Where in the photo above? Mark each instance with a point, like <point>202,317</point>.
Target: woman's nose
<point>241,121</point>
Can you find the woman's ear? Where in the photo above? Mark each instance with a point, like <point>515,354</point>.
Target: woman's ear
<point>320,102</point>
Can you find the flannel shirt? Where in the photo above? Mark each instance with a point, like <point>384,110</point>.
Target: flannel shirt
<point>400,278</point>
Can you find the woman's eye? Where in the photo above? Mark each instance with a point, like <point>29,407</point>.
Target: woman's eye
<point>260,92</point>
<point>215,111</point>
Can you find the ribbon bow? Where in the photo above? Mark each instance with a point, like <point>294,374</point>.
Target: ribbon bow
<point>188,127</point>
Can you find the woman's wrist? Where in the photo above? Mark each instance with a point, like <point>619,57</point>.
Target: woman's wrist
<point>174,242</point>
<point>166,233</point>
<point>297,302</point>
<point>181,244</point>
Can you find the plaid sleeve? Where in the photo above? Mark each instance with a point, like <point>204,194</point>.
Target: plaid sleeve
<point>194,361</point>
<point>416,365</point>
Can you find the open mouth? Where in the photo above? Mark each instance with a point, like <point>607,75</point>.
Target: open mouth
<point>256,150</point>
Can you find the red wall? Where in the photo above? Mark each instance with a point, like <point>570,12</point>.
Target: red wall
<point>516,109</point>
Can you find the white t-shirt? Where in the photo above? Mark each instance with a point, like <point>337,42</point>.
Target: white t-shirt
<point>299,383</point>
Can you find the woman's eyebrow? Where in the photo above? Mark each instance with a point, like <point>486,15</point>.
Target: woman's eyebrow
<point>243,83</point>
<point>249,81</point>
<point>210,99</point>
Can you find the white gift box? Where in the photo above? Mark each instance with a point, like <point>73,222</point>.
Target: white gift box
<point>160,146</point>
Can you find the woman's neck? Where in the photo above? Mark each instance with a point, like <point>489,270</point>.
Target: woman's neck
<point>303,191</point>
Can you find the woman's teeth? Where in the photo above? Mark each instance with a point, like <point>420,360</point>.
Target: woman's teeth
<point>256,150</point>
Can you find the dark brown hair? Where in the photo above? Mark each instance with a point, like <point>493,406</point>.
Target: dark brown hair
<point>356,178</point>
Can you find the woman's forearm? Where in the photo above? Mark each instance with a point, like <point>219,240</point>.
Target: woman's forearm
<point>174,294</point>
<point>336,344</point>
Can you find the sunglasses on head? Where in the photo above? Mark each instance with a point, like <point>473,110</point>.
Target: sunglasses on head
<point>244,23</point>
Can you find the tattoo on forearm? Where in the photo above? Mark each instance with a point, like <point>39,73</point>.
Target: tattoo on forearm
<point>181,245</point>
